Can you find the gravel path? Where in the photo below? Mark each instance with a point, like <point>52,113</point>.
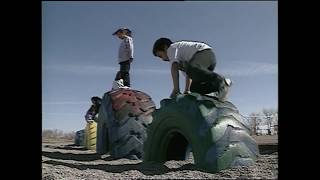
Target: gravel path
<point>65,161</point>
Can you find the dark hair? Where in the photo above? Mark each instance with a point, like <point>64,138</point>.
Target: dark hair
<point>128,32</point>
<point>160,44</point>
<point>96,99</point>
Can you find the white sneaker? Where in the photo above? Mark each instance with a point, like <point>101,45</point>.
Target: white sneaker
<point>119,84</point>
<point>223,92</point>
<point>228,81</point>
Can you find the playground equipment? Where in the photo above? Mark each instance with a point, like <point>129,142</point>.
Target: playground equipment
<point>214,131</point>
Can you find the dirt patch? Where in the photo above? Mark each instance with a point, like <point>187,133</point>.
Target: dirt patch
<point>66,161</point>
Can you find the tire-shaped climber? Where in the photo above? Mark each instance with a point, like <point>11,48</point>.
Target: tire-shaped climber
<point>217,133</point>
<point>126,114</point>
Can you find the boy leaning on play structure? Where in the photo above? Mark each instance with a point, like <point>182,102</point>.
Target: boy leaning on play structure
<point>197,62</point>
<point>94,108</point>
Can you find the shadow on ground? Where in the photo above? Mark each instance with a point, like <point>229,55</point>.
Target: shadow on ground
<point>67,147</point>
<point>71,156</point>
<point>144,168</point>
<point>268,148</point>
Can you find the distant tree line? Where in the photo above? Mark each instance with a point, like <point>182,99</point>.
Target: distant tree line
<point>57,134</point>
<point>267,118</point>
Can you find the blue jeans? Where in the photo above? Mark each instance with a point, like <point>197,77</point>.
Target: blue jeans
<point>124,73</point>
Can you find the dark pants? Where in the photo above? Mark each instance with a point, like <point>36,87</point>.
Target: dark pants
<point>200,70</point>
<point>124,73</point>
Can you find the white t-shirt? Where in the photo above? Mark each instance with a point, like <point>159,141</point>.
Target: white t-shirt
<point>126,49</point>
<point>184,50</point>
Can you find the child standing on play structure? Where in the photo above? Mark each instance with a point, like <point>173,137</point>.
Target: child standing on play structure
<point>125,56</point>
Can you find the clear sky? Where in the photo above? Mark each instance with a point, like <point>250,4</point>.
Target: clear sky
<point>79,54</point>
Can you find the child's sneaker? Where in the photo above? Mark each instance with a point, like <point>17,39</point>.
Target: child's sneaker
<point>119,84</point>
<point>228,82</point>
<point>224,89</point>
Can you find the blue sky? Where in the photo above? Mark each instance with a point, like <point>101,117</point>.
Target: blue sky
<point>79,54</point>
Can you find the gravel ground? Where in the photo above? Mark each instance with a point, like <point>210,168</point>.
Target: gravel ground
<point>65,161</point>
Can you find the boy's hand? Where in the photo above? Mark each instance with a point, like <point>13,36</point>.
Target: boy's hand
<point>174,93</point>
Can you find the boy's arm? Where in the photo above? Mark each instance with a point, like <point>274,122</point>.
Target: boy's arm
<point>129,47</point>
<point>188,84</point>
<point>175,79</point>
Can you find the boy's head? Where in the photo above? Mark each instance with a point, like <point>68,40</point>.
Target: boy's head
<point>122,32</point>
<point>160,48</point>
<point>95,100</point>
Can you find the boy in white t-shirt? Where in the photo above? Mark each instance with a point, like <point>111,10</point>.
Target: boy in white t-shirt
<point>197,61</point>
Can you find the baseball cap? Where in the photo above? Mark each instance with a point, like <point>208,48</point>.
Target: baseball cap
<point>120,30</point>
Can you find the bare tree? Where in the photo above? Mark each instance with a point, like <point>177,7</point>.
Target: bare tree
<point>269,115</point>
<point>254,120</point>
<point>47,133</point>
<point>57,134</point>
<point>69,135</point>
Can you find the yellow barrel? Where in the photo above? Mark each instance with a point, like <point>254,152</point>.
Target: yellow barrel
<point>91,135</point>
